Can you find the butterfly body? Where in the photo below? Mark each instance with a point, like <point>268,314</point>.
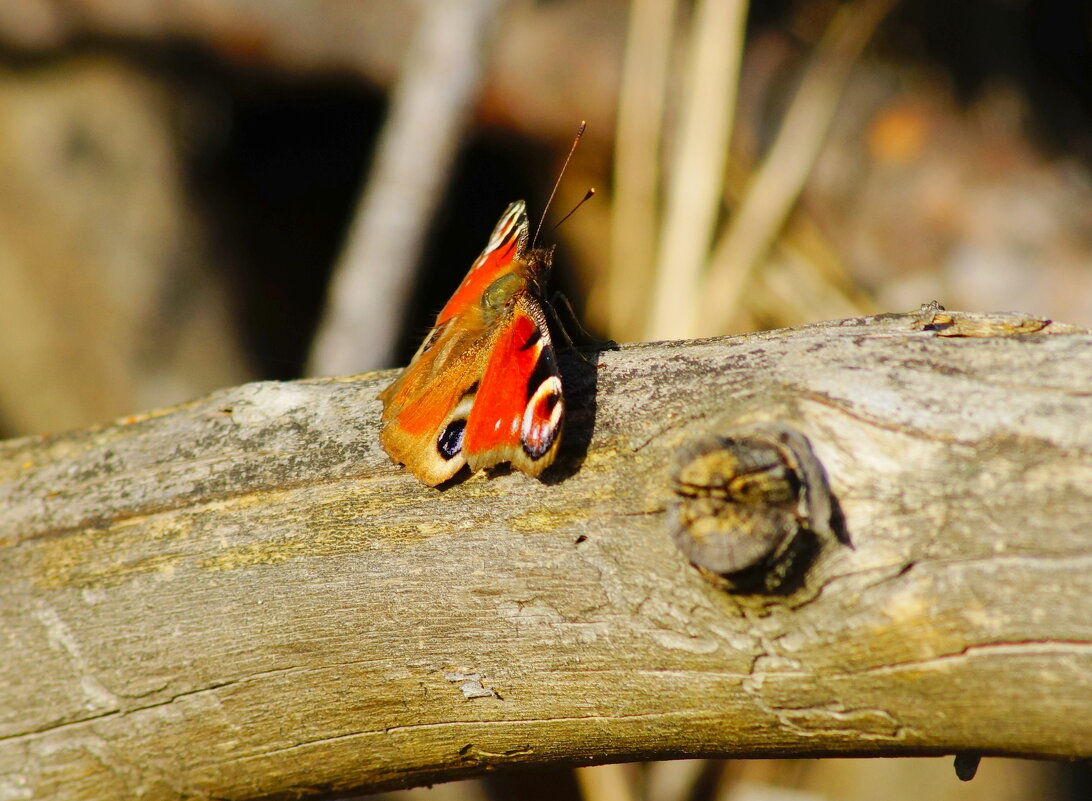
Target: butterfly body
<point>484,386</point>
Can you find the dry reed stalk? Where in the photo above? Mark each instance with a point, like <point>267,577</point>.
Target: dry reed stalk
<point>776,186</point>
<point>637,163</point>
<point>694,195</point>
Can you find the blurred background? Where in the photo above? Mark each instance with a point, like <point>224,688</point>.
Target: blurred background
<point>199,193</point>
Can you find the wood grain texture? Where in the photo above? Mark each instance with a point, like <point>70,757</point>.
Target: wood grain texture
<point>242,598</point>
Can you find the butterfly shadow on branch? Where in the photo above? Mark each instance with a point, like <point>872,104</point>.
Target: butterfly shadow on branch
<point>579,368</point>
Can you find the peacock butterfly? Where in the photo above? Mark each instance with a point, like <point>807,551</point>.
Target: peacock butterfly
<point>484,386</point>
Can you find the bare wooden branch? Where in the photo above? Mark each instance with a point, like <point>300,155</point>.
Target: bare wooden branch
<point>242,598</point>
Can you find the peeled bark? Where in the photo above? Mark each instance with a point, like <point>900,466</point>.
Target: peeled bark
<point>243,598</point>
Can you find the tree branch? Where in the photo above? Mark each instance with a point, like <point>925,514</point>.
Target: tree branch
<point>242,598</point>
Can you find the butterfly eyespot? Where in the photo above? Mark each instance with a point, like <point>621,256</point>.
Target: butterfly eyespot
<point>450,442</point>
<point>542,418</point>
<point>498,293</point>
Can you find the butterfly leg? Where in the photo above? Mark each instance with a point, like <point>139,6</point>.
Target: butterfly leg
<point>559,301</point>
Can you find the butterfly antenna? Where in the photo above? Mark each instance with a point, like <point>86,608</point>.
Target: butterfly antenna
<point>557,183</point>
<point>587,196</point>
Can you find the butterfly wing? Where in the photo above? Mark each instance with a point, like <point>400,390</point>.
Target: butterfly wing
<point>489,341</point>
<point>517,411</point>
<point>506,243</point>
<point>422,410</point>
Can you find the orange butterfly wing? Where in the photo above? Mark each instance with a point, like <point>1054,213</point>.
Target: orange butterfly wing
<point>421,404</point>
<point>518,409</point>
<point>506,244</point>
<point>483,388</point>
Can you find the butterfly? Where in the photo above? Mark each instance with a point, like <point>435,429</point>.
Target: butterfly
<point>484,386</point>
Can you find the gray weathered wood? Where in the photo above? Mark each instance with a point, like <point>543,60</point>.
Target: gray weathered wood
<point>242,598</point>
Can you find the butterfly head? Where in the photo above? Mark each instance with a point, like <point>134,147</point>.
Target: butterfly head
<point>539,263</point>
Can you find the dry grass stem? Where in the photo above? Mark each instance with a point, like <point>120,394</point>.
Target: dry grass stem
<point>635,208</point>
<point>606,783</point>
<point>694,196</point>
<point>776,186</point>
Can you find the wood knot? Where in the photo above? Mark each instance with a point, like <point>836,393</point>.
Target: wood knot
<point>751,508</point>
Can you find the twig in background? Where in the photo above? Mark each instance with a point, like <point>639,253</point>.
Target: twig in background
<point>803,277</point>
<point>776,186</point>
<point>637,162</point>
<point>803,235</point>
<point>429,109</point>
<point>605,783</point>
<point>789,290</point>
<point>701,151</point>
<point>680,779</point>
